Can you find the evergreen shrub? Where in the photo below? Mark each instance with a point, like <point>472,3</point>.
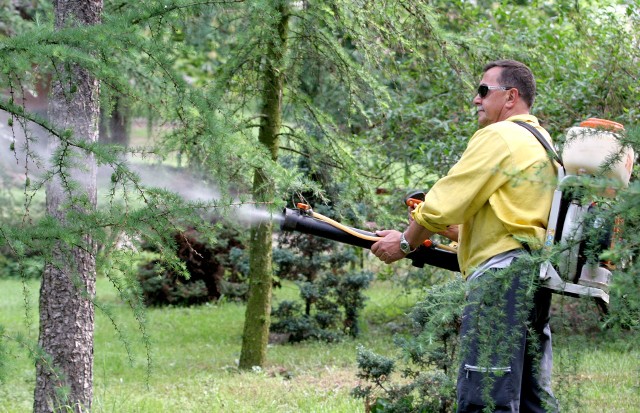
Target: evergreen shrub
<point>214,269</point>
<point>27,268</point>
<point>426,361</point>
<point>331,308</point>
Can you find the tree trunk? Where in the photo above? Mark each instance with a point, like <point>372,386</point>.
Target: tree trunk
<point>64,368</point>
<point>120,123</point>
<point>257,318</point>
<point>116,128</point>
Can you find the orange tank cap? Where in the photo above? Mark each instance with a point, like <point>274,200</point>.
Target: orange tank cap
<point>602,124</point>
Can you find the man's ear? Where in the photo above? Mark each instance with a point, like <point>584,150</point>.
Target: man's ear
<point>513,97</point>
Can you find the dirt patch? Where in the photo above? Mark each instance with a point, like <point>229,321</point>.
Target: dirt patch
<point>328,378</point>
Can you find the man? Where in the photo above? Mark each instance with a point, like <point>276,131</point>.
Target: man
<point>500,193</point>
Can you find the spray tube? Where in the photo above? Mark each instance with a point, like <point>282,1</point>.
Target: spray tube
<point>306,221</point>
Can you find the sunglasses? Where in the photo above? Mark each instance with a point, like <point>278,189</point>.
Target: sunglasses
<point>483,90</point>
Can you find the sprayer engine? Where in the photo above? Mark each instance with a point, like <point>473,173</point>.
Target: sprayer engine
<point>592,148</point>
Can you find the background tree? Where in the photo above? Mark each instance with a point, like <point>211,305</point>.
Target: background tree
<point>65,367</point>
<point>375,94</point>
<point>115,123</point>
<point>324,61</point>
<point>127,53</point>
<point>257,319</point>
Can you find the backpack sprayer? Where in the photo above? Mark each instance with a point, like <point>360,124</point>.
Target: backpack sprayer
<point>589,148</point>
<point>592,147</point>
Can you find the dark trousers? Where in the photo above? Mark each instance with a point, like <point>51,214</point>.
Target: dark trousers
<point>506,344</point>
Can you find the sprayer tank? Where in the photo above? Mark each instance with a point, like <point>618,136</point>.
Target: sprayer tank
<point>596,144</point>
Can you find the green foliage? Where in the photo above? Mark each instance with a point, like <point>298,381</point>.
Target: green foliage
<point>427,360</point>
<point>212,270</point>
<point>584,56</point>
<point>160,289</point>
<point>350,297</point>
<point>332,306</point>
<point>225,52</point>
<point>20,16</point>
<point>625,289</point>
<point>130,61</point>
<point>624,310</point>
<point>377,95</point>
<point>373,367</point>
<point>28,267</point>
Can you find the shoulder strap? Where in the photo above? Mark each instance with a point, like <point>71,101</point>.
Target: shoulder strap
<point>552,153</point>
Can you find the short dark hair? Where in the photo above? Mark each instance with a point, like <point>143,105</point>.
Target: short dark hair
<point>518,75</point>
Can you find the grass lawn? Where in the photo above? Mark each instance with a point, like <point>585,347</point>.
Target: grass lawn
<point>194,352</point>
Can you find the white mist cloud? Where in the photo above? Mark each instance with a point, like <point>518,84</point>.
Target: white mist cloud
<point>22,157</point>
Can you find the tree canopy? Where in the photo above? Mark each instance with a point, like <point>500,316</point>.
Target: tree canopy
<point>375,95</point>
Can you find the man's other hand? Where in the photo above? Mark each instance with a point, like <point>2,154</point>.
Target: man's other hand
<point>388,248</point>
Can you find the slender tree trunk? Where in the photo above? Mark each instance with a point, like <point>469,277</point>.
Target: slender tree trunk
<point>257,318</point>
<point>120,123</point>
<point>64,368</point>
<point>116,128</point>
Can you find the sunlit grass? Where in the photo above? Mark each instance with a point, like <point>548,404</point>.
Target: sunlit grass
<point>194,354</point>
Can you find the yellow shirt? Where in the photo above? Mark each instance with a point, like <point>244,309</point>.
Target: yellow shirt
<point>500,190</point>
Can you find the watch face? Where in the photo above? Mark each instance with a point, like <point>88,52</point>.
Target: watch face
<point>405,247</point>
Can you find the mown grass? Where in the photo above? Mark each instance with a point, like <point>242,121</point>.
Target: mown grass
<point>194,352</point>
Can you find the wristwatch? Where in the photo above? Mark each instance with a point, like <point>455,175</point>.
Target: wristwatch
<point>404,245</point>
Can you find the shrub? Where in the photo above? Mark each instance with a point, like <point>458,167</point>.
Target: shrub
<point>331,308</point>
<point>28,267</point>
<point>428,358</point>
<point>211,269</point>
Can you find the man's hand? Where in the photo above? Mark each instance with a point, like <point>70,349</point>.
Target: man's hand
<point>388,248</point>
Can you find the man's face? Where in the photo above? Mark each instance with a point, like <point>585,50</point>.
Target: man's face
<point>490,108</point>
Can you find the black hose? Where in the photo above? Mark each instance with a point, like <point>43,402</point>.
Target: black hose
<point>296,221</point>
